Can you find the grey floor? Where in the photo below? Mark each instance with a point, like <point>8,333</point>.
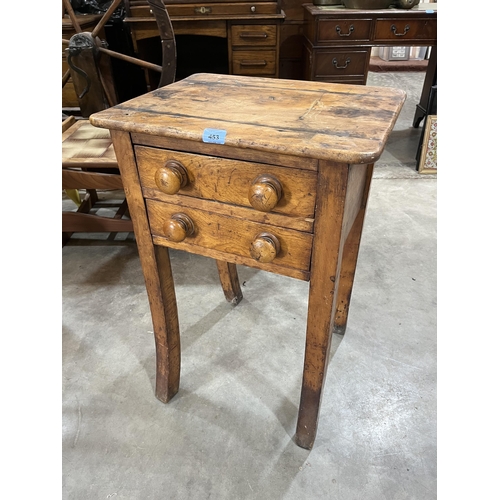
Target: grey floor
<point>228,433</point>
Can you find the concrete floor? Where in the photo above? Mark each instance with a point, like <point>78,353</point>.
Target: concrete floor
<point>228,433</point>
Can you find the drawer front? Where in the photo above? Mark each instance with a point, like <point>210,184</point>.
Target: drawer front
<point>343,30</point>
<point>254,62</point>
<point>230,181</point>
<point>400,29</point>
<point>340,63</point>
<point>233,237</point>
<point>208,10</point>
<point>253,35</point>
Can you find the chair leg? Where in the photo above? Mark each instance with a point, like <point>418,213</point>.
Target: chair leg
<point>229,280</point>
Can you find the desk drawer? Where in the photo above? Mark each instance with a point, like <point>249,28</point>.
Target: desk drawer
<point>253,35</point>
<point>254,62</point>
<point>413,30</point>
<point>221,236</point>
<point>343,30</point>
<point>337,63</point>
<point>207,10</point>
<point>229,181</point>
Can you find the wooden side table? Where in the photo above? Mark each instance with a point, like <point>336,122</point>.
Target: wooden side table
<point>272,174</point>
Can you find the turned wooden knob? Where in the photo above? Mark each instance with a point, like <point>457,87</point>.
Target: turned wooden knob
<point>265,247</point>
<point>265,193</point>
<point>178,227</point>
<point>171,177</point>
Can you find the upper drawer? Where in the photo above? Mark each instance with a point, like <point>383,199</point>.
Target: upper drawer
<point>253,35</point>
<point>232,181</point>
<point>208,9</point>
<point>400,29</point>
<point>343,30</point>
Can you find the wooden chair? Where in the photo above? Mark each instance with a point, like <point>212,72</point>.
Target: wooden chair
<point>88,159</point>
<point>89,163</point>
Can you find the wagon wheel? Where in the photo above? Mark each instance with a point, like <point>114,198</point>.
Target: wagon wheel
<point>88,56</point>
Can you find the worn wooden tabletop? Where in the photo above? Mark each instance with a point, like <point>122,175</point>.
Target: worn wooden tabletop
<point>344,123</point>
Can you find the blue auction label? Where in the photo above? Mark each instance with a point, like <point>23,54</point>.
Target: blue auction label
<point>214,136</point>
<point>429,11</point>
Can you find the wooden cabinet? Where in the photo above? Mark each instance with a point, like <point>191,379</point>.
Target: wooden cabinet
<point>338,41</point>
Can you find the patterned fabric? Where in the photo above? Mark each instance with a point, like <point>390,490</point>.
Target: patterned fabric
<point>428,158</point>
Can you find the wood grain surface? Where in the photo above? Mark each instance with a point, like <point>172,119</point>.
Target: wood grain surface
<point>341,123</point>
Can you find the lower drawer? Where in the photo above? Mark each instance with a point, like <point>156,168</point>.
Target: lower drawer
<point>254,62</point>
<point>234,240</point>
<point>340,63</point>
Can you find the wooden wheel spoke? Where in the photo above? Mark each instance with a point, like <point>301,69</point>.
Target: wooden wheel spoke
<point>106,17</point>
<point>72,16</point>
<point>65,77</point>
<point>88,56</point>
<point>133,60</point>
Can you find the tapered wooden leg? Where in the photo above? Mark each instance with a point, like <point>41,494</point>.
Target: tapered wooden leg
<point>325,270</point>
<point>166,328</point>
<point>349,261</point>
<point>228,275</point>
<point>341,196</point>
<point>155,263</point>
<point>318,340</point>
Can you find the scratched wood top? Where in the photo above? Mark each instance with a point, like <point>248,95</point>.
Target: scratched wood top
<point>344,123</point>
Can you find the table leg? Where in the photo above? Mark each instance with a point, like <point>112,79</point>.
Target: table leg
<point>228,275</point>
<point>325,272</point>
<point>430,79</point>
<point>155,263</point>
<point>349,261</point>
<point>165,326</point>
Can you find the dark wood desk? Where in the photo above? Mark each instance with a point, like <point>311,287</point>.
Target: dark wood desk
<point>250,28</point>
<point>268,173</point>
<point>338,42</point>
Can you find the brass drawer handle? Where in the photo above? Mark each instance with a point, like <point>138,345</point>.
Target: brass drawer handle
<point>334,62</point>
<point>338,29</point>
<point>253,63</point>
<point>393,29</point>
<point>203,10</point>
<point>172,177</point>
<point>253,34</point>
<point>178,227</point>
<point>265,247</point>
<point>265,193</point>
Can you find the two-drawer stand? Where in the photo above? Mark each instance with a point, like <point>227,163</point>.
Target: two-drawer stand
<point>272,174</point>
